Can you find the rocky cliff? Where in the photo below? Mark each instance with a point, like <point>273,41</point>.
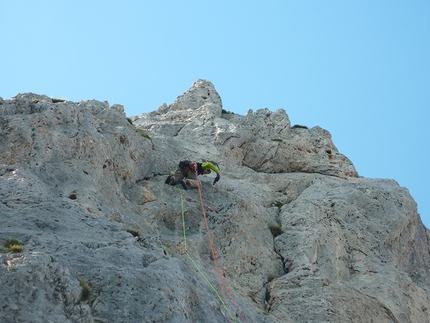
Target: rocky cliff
<point>297,235</point>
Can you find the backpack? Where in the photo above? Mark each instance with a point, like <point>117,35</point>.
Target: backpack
<point>184,167</point>
<point>184,164</point>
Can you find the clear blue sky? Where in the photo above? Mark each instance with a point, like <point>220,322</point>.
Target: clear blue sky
<point>360,69</point>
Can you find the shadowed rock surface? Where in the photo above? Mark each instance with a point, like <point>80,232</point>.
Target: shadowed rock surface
<point>300,237</point>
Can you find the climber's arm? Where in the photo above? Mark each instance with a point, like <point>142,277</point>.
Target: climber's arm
<point>209,165</point>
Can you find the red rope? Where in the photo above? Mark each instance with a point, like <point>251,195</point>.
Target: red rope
<point>221,276</point>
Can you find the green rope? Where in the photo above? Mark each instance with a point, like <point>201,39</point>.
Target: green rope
<point>183,220</point>
<point>195,264</point>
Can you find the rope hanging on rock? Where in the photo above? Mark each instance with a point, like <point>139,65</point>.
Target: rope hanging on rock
<point>222,280</point>
<point>195,264</point>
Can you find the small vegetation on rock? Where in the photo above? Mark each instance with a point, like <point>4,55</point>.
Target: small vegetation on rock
<point>279,204</point>
<point>12,245</point>
<point>57,100</point>
<point>38,100</point>
<point>276,230</point>
<point>134,233</point>
<point>277,139</point>
<point>271,277</point>
<point>143,133</point>
<point>86,290</point>
<point>16,248</point>
<point>267,296</point>
<point>297,126</point>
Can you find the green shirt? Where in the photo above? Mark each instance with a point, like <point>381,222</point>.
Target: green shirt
<point>209,165</point>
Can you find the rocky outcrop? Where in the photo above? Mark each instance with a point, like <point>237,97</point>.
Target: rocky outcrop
<point>196,125</point>
<point>299,237</point>
<point>359,241</point>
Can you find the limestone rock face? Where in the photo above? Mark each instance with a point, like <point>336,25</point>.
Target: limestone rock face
<point>297,235</point>
<point>262,140</point>
<point>360,240</point>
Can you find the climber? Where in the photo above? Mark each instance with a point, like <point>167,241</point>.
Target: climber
<point>186,173</point>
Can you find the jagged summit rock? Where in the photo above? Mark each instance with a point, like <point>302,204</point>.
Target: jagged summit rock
<point>201,95</point>
<point>262,140</point>
<point>298,235</point>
